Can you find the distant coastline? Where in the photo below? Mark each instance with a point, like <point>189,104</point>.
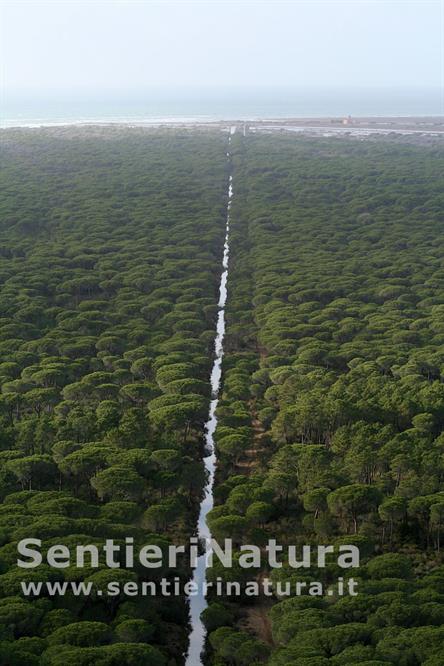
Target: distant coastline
<point>222,104</point>
<point>359,127</point>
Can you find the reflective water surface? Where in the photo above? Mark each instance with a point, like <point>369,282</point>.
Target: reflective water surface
<point>198,602</point>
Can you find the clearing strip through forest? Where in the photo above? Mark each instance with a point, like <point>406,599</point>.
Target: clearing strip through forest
<point>198,602</point>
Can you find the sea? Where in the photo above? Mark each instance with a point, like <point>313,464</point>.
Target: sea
<point>161,106</point>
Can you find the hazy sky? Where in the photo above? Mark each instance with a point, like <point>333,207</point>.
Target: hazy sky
<point>119,45</point>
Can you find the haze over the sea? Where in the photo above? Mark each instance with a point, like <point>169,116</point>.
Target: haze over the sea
<point>224,104</point>
<point>135,60</point>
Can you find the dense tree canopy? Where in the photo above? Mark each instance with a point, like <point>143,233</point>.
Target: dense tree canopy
<point>110,251</point>
<point>331,419</point>
<point>330,423</point>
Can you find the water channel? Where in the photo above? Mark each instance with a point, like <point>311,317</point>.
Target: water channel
<point>198,602</point>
